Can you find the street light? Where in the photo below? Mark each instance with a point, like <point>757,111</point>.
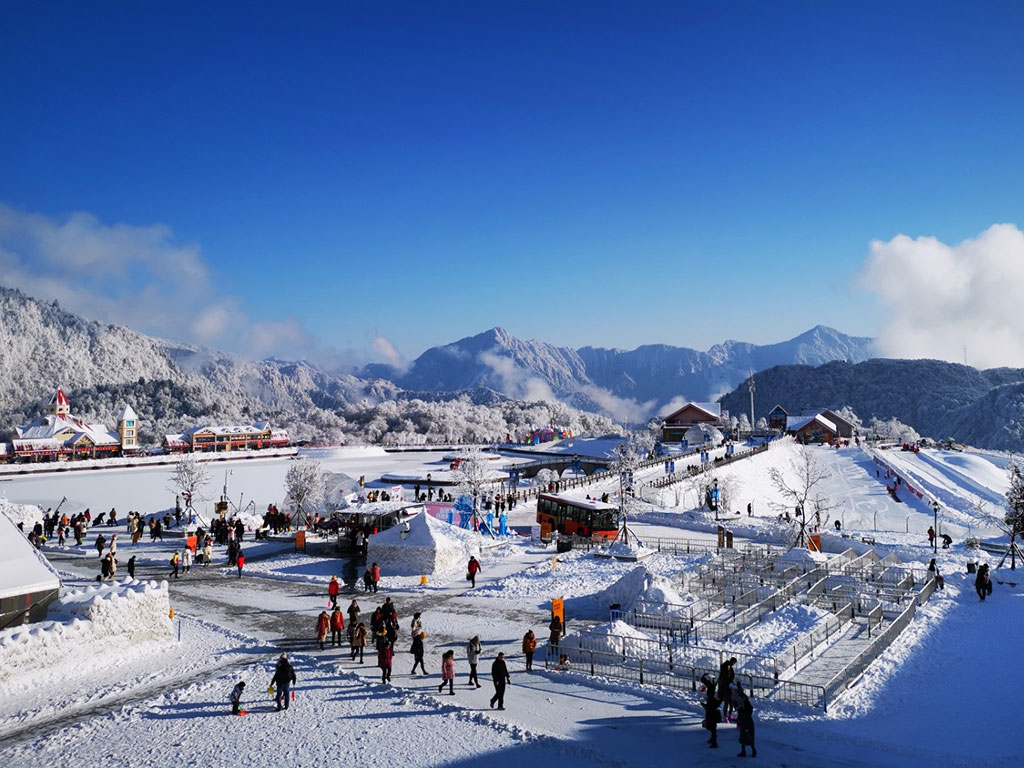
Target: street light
<point>935,526</point>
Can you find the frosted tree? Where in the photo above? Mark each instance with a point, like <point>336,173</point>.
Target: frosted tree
<point>306,486</point>
<point>803,491</point>
<point>743,424</point>
<point>1015,516</point>
<point>847,413</point>
<point>625,460</point>
<point>472,477</point>
<point>762,424</point>
<point>189,479</point>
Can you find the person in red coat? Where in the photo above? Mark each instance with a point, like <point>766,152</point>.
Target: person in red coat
<point>240,562</point>
<point>337,624</point>
<point>332,591</point>
<point>472,569</point>
<point>322,625</point>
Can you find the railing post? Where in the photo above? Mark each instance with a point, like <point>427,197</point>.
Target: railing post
<point>591,663</point>
<point>641,671</point>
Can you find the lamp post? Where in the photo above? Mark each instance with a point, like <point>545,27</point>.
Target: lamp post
<point>714,498</point>
<point>935,526</point>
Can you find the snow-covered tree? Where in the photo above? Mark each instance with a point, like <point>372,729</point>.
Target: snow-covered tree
<point>189,479</point>
<point>1015,501</point>
<point>473,475</point>
<point>847,413</point>
<point>306,486</point>
<point>894,429</point>
<point>743,424</point>
<point>762,424</point>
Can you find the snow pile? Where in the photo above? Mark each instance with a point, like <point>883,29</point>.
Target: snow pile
<point>87,623</point>
<point>430,546</point>
<point>24,572</point>
<point>629,550</point>
<point>27,514</point>
<point>777,632</point>
<point>616,637</point>
<point>638,588</point>
<point>802,557</point>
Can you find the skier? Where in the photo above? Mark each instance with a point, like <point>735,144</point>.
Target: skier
<point>284,679</point>
<point>236,698</point>
<point>323,623</point>
<point>500,677</point>
<point>447,672</point>
<point>417,651</point>
<point>529,646</point>
<point>337,624</point>
<point>358,641</point>
<point>332,592</point>
<point>473,651</point>
<point>472,569</point>
<point>745,723</point>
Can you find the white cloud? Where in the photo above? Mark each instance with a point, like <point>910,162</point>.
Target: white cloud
<point>516,382</point>
<point>620,408</point>
<point>138,276</point>
<point>939,299</point>
<point>384,350</point>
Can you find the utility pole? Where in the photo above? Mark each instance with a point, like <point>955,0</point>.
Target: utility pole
<point>750,385</point>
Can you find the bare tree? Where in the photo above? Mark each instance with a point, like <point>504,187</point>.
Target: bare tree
<point>804,492</point>
<point>306,485</point>
<point>190,479</point>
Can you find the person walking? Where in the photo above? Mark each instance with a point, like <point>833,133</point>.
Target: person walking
<point>500,678</point>
<point>711,714</point>
<point>236,698</point>
<point>983,582</point>
<point>323,624</point>
<point>101,542</point>
<point>473,651</point>
<point>745,723</point>
<point>333,589</point>
<point>384,658</point>
<point>417,624</point>
<point>368,579</point>
<point>240,562</point>
<point>207,552</point>
<point>375,577</point>
<point>283,679</point>
<point>337,624</point>
<point>933,569</point>
<point>447,672</point>
<point>175,561</point>
<point>131,566</point>
<point>726,676</point>
<point>529,646</point>
<point>931,536</point>
<point>353,615</point>
<point>472,569</point>
<point>186,559</point>
<point>358,641</point>
<point>417,651</point>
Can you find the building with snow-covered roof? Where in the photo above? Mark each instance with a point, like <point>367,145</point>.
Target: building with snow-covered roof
<point>58,434</point>
<point>812,429</point>
<point>674,428</point>
<point>227,437</point>
<point>777,417</point>
<point>28,583</point>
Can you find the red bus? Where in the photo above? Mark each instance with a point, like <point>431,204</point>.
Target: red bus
<point>579,518</point>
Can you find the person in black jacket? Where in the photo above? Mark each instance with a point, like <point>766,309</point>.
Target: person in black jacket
<point>499,675</point>
<point>711,716</point>
<point>745,723</point>
<point>283,680</point>
<point>417,652</point>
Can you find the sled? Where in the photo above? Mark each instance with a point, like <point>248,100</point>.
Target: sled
<point>242,713</point>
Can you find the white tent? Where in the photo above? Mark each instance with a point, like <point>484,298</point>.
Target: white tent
<point>429,546</point>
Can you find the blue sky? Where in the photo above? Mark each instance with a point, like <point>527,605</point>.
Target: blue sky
<point>338,179</point>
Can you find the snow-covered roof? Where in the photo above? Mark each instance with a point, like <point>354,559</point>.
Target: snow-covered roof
<point>50,426</point>
<point>59,398</point>
<point>128,414</point>
<point>22,569</point>
<point>796,423</point>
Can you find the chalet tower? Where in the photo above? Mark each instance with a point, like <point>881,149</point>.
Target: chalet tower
<point>59,405</point>
<point>128,429</point>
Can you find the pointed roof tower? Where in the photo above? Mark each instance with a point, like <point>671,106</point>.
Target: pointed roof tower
<point>59,404</point>
<point>128,414</point>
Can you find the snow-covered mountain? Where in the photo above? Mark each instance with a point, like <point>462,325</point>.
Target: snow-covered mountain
<point>174,386</point>
<point>655,374</point>
<point>938,399</point>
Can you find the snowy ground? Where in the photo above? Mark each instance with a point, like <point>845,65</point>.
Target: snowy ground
<point>923,703</point>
